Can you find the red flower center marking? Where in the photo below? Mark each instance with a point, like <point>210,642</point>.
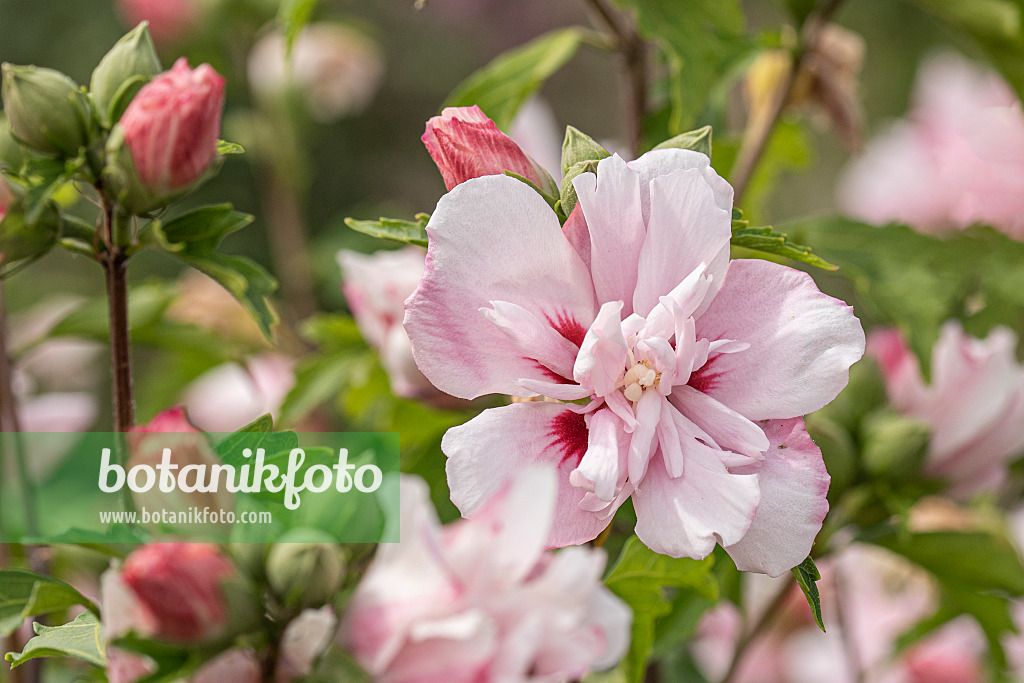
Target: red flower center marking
<point>570,435</point>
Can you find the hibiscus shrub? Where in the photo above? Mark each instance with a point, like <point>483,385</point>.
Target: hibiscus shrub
<point>644,436</point>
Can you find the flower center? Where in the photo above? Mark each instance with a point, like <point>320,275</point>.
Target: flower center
<point>639,377</point>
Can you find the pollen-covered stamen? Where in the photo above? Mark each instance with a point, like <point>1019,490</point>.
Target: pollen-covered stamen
<point>639,377</point>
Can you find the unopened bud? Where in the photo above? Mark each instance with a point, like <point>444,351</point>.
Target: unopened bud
<point>12,154</point>
<point>577,147</point>
<point>166,142</point>
<point>23,236</point>
<point>122,72</point>
<point>305,568</point>
<point>47,110</point>
<point>893,445</point>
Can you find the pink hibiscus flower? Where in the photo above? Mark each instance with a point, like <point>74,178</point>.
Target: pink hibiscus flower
<point>682,371</point>
<point>479,601</point>
<point>974,404</point>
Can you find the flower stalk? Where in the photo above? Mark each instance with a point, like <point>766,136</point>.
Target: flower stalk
<point>760,129</point>
<point>115,265</point>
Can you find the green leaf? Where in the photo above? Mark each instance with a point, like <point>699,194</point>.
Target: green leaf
<point>332,331</point>
<point>996,25</point>
<point>503,85</point>
<point>245,279</point>
<point>225,148</point>
<point>395,229</point>
<point>322,378</point>
<point>973,560</point>
<point>992,613</point>
<point>700,39</point>
<point>698,140</point>
<point>767,241</point>
<point>200,230</point>
<point>146,306</point>
<point>640,577</point>
<point>81,639</point>
<point>24,594</point>
<point>257,434</point>
<point>806,575</point>
<point>293,16</point>
<point>579,147</point>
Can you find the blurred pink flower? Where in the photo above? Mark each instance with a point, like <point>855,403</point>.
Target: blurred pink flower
<point>231,666</point>
<point>465,144</point>
<point>232,395</point>
<point>189,448</point>
<point>958,159</point>
<point>537,133</point>
<point>480,601</point>
<point>683,355</point>
<point>336,68</point>
<point>376,286</point>
<point>974,405</point>
<point>170,591</point>
<point>172,125</point>
<point>715,641</point>
<point>880,595</point>
<point>304,639</point>
<point>170,21</point>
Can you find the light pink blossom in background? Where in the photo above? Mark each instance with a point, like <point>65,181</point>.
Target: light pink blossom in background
<point>336,68</point>
<point>231,666</point>
<point>232,395</point>
<point>882,596</point>
<point>696,369</point>
<point>172,126</point>
<point>974,404</point>
<point>189,448</point>
<point>170,21</point>
<point>304,640</point>
<point>465,144</point>
<point>956,160</point>
<point>376,287</point>
<point>538,134</point>
<point>480,601</point>
<point>54,382</point>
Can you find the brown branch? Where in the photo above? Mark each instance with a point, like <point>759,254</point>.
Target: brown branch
<point>633,51</point>
<point>763,622</point>
<point>760,132</point>
<point>115,265</point>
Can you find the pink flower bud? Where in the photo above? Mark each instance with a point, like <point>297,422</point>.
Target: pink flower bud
<point>179,584</point>
<point>188,448</point>
<point>169,20</point>
<point>172,126</point>
<point>465,144</point>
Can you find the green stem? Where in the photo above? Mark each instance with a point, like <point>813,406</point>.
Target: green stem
<point>115,265</point>
<point>751,635</point>
<point>11,423</point>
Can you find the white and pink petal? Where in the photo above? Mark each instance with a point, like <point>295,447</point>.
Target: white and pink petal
<point>493,239</point>
<point>802,342</point>
<point>793,483</point>
<point>489,450</point>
